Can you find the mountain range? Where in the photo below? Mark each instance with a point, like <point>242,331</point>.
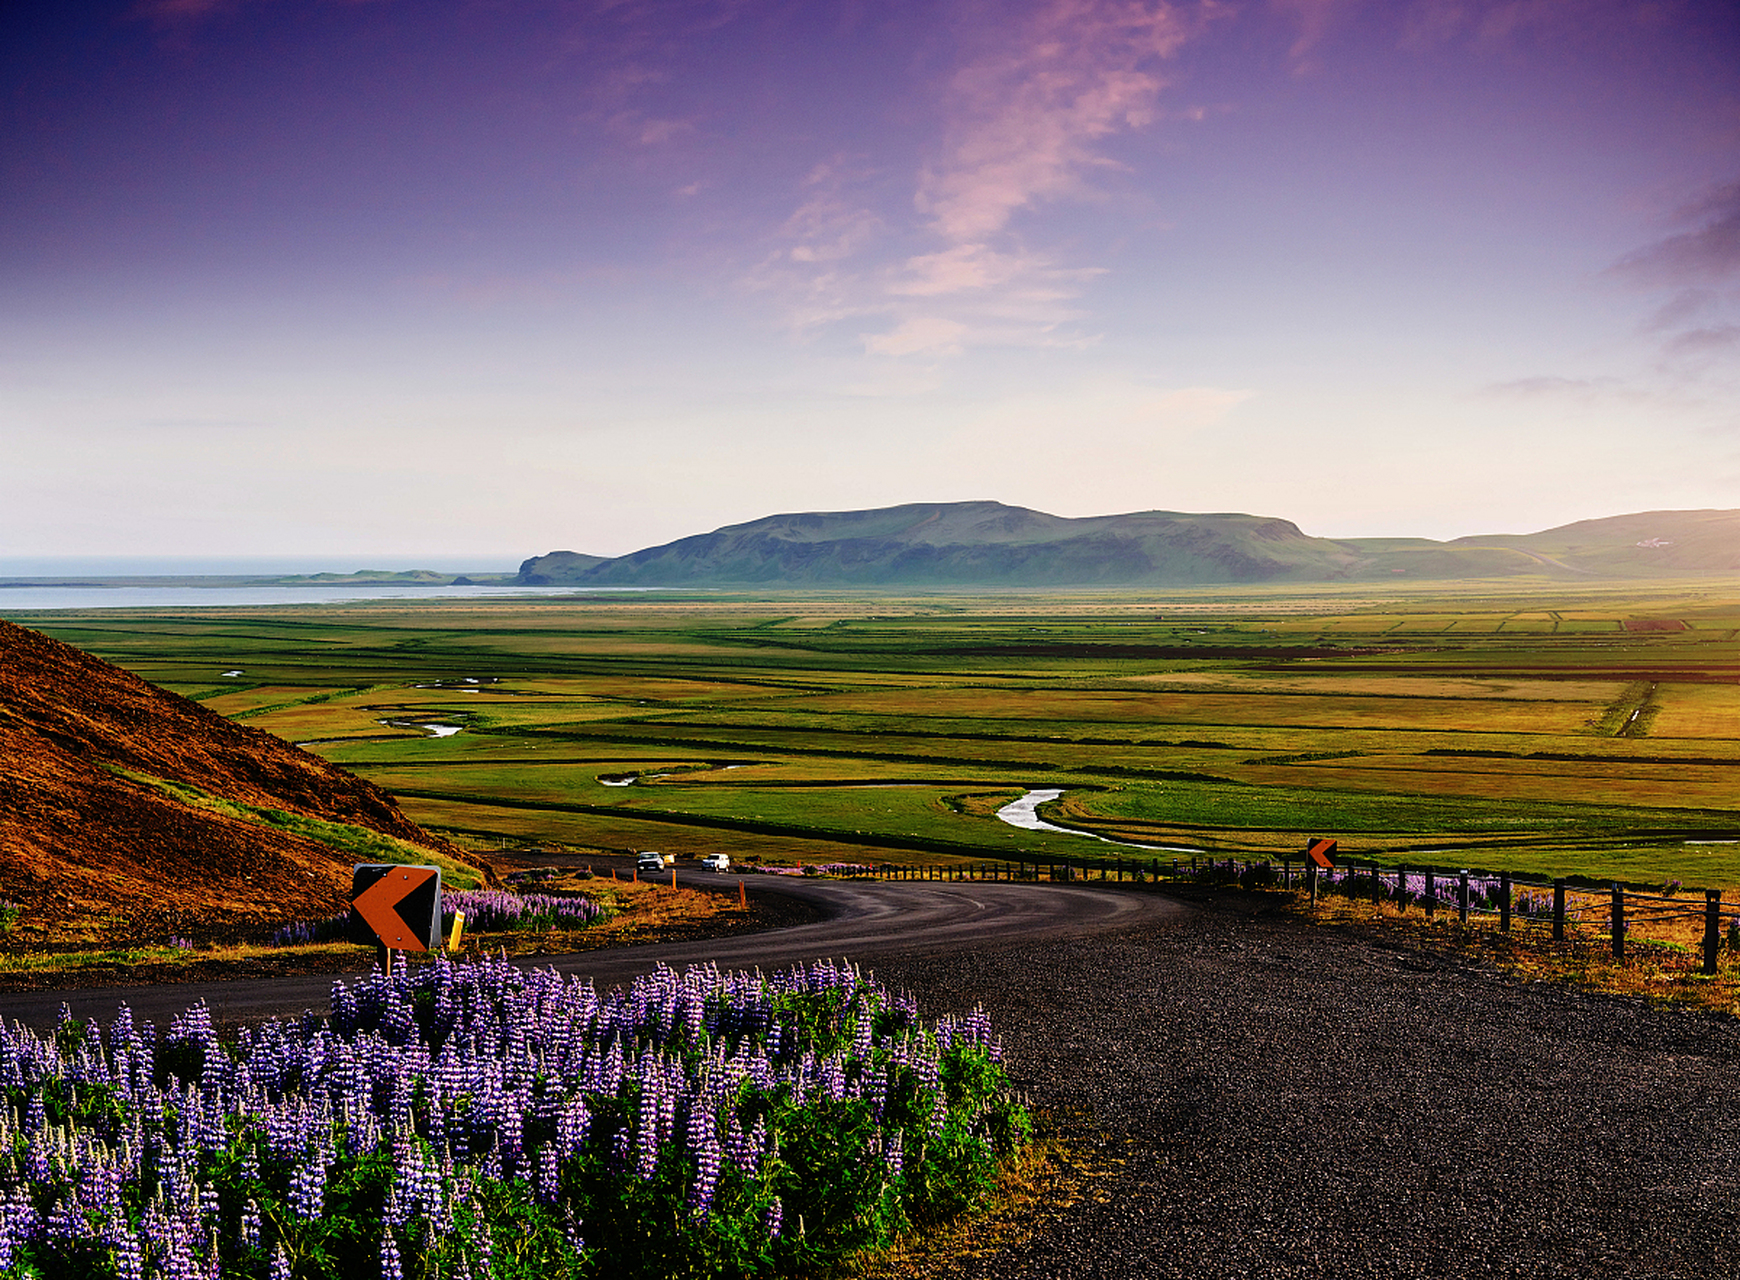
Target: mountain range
<point>964,544</point>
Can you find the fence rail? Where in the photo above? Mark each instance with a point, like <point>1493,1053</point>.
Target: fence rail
<point>1616,910</point>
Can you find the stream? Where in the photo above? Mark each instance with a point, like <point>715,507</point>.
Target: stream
<point>1024,813</point>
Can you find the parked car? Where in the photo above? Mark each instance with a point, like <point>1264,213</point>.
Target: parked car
<point>649,863</point>
<point>717,862</point>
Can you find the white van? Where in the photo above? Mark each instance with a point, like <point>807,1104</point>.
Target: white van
<point>717,862</point>
<point>648,863</point>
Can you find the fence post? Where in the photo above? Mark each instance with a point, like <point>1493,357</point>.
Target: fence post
<point>1558,911</point>
<point>1431,891</point>
<point>1311,881</point>
<point>1286,874</point>
<point>1712,928</point>
<point>1618,921</point>
<point>1462,896</point>
<point>1504,902</point>
<point>1377,884</point>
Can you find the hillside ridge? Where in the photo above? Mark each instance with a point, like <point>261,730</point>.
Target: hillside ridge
<point>131,813</point>
<point>987,543</point>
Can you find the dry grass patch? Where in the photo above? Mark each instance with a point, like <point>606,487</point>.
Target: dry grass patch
<point>1661,965</point>
<point>1597,692</point>
<point>1696,711</point>
<point>1037,1188</point>
<point>1493,780</point>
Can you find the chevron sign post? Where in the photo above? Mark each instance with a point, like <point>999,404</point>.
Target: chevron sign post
<point>396,908</point>
<point>1319,853</point>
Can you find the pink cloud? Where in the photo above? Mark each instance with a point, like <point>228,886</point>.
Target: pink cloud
<point>1027,113</point>
<point>921,335</point>
<point>1023,121</point>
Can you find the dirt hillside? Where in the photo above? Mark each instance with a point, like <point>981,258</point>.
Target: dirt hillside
<point>128,813</point>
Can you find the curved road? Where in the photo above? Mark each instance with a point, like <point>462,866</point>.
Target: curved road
<point>865,919</point>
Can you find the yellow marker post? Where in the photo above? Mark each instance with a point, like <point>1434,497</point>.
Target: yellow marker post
<point>742,896</point>
<point>458,928</point>
<point>673,877</point>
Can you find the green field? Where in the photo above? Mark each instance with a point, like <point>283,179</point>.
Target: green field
<point>1535,728</point>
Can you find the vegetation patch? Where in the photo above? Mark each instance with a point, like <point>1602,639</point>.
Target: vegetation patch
<point>465,1120</point>
<point>359,844</point>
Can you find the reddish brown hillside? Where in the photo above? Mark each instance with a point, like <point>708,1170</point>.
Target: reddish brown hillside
<point>91,850</point>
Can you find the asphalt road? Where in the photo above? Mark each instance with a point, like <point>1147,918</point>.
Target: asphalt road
<point>864,920</point>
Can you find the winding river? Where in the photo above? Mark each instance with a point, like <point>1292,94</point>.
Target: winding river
<point>1024,813</point>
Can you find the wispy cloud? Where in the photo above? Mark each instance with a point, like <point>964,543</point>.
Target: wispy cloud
<point>1704,250</point>
<point>181,16</point>
<point>1710,341</point>
<point>1598,392</point>
<point>1554,385</point>
<point>1028,114</point>
<point>1022,123</point>
<point>1313,19</point>
<point>170,12</point>
<point>1698,261</point>
<point>921,335</point>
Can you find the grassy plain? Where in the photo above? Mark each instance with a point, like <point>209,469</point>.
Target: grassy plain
<point>1538,728</point>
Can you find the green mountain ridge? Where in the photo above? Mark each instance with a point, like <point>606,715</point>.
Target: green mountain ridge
<point>993,544</point>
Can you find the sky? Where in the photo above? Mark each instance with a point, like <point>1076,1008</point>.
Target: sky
<point>465,281</point>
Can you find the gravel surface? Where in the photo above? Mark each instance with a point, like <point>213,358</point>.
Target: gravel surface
<point>1289,1101</point>
<point>1269,1099</point>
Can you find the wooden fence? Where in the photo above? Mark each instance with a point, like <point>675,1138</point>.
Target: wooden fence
<point>1502,896</point>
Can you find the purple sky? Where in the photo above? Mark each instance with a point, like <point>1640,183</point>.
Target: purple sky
<point>492,277</point>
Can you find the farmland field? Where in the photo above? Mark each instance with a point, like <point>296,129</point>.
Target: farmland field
<point>1535,729</point>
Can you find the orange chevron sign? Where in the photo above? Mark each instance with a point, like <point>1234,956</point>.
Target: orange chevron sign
<point>395,907</point>
<point>1322,852</point>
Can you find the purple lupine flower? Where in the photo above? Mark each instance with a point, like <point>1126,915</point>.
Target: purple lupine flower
<point>129,1257</point>
<point>547,1178</point>
<point>701,1140</point>
<point>774,1218</point>
<point>308,1188</point>
<point>392,1267</point>
<point>280,1263</point>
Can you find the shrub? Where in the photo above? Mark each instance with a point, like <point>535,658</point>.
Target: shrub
<point>488,910</point>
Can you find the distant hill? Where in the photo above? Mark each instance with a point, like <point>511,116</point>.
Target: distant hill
<point>128,813</point>
<point>1643,544</point>
<point>952,543</point>
<point>991,544</point>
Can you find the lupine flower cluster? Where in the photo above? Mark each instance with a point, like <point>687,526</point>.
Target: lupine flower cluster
<point>532,875</point>
<point>300,932</point>
<point>1484,891</point>
<point>473,1120</point>
<point>486,910</point>
<point>491,909</point>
